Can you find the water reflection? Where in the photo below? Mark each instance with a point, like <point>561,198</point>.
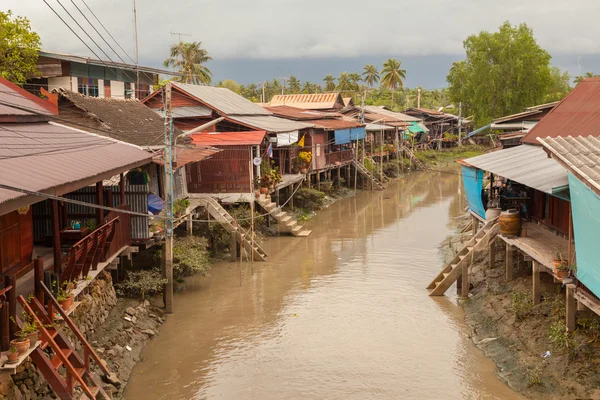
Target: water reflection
<point>342,314</point>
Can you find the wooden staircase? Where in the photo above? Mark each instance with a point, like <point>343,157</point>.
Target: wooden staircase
<point>221,215</point>
<point>412,157</point>
<point>65,369</point>
<point>285,220</point>
<point>365,172</point>
<point>460,263</point>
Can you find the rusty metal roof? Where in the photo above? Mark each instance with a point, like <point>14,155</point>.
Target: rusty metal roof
<point>222,100</point>
<point>249,138</point>
<point>14,101</point>
<point>185,156</point>
<point>578,114</point>
<point>580,155</point>
<point>269,123</point>
<point>300,114</point>
<point>319,101</point>
<point>57,159</point>
<point>333,124</point>
<point>390,115</point>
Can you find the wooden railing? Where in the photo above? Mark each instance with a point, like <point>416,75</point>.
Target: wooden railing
<point>122,231</point>
<point>89,251</point>
<point>338,157</point>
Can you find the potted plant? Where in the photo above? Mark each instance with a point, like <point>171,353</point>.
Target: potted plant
<point>305,159</point>
<point>21,343</point>
<point>265,182</point>
<point>13,354</point>
<point>558,262</point>
<point>76,225</point>
<point>562,271</point>
<point>65,297</point>
<point>275,177</point>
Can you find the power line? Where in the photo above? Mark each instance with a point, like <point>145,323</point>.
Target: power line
<point>111,36</point>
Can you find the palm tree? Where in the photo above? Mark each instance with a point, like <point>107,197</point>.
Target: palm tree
<point>293,84</point>
<point>370,75</point>
<point>392,76</point>
<point>252,90</point>
<point>344,82</point>
<point>188,59</point>
<point>308,88</point>
<point>355,78</point>
<point>579,79</point>
<point>329,83</point>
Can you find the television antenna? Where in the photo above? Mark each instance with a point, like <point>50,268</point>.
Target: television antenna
<point>179,34</point>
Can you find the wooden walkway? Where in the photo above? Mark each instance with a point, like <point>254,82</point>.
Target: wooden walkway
<point>289,179</point>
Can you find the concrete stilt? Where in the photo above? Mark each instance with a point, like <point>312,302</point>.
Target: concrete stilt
<point>571,304</point>
<point>536,282</point>
<point>509,262</point>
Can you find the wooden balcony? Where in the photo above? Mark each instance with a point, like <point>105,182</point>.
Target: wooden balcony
<point>338,157</point>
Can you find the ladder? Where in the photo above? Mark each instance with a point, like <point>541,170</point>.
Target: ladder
<point>365,172</point>
<point>454,269</point>
<point>412,157</point>
<point>221,215</point>
<point>76,369</point>
<point>283,218</point>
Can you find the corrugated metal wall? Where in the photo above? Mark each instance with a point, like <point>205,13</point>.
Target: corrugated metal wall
<point>136,196</point>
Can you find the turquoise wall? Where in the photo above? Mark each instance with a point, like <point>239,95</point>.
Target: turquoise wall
<point>473,183</point>
<point>585,206</point>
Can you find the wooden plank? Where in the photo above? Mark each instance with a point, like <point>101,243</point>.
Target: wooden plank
<point>509,262</point>
<point>590,302</point>
<point>535,266</point>
<point>571,305</point>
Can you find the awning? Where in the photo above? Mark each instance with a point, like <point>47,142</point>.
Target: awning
<point>417,127</point>
<point>525,126</point>
<point>285,139</point>
<point>526,164</point>
<point>344,136</point>
<point>228,138</point>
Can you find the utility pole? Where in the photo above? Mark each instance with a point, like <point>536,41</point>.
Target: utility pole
<point>460,124</point>
<point>418,98</point>
<point>137,60</point>
<point>168,155</point>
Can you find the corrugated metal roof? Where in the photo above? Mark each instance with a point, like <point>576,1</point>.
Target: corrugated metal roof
<point>578,114</point>
<point>188,112</point>
<point>581,155</point>
<point>14,95</point>
<point>319,101</point>
<point>333,124</point>
<point>228,138</point>
<point>378,127</point>
<point>526,164</point>
<point>300,114</point>
<point>222,100</point>
<point>47,156</point>
<point>185,156</point>
<point>394,116</point>
<point>269,123</point>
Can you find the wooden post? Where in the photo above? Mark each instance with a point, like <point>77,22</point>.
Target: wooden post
<point>339,179</point>
<point>122,189</point>
<point>38,267</point>
<point>571,304</point>
<point>11,297</point>
<point>277,198</point>
<point>492,252</point>
<point>319,181</point>
<point>57,252</point>
<point>189,226</point>
<point>464,287</point>
<point>474,224</point>
<point>100,202</point>
<point>535,267</point>
<point>509,262</point>
<point>233,246</point>
<point>292,197</point>
<point>168,253</point>
<point>4,327</point>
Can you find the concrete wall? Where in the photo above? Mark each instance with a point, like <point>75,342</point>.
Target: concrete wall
<point>117,89</point>
<point>62,82</point>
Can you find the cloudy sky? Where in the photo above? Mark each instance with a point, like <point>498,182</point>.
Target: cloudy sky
<point>253,40</point>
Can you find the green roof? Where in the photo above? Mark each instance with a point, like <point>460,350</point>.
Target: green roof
<point>415,128</point>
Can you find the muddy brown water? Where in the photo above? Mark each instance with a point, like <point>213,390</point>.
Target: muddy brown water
<point>342,314</point>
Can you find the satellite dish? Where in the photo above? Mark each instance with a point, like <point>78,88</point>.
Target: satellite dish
<point>257,161</point>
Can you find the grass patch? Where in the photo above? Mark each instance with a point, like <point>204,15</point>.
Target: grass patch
<point>452,154</point>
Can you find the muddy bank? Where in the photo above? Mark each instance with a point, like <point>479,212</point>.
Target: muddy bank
<point>528,343</point>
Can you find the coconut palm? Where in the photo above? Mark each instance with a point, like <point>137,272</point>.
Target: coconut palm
<point>370,75</point>
<point>578,79</point>
<point>188,59</point>
<point>392,76</point>
<point>329,83</point>
<point>355,78</point>
<point>344,83</point>
<point>293,85</point>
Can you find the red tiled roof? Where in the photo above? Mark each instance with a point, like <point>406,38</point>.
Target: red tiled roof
<point>228,138</point>
<point>578,114</point>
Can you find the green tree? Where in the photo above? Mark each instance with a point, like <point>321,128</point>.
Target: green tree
<point>355,78</point>
<point>578,79</point>
<point>344,83</point>
<point>19,47</point>
<point>392,76</point>
<point>293,85</point>
<point>504,72</point>
<point>560,85</point>
<point>329,83</point>
<point>231,85</point>
<point>370,75</point>
<point>189,59</point>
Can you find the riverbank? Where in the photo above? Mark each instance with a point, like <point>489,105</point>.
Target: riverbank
<point>528,343</point>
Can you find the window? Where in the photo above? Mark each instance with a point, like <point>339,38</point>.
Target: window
<point>88,86</point>
<point>128,90</point>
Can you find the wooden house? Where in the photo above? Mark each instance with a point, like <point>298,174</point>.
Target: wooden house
<point>512,128</point>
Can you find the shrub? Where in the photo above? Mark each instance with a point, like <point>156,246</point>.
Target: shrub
<point>310,199</point>
<point>522,304</point>
<point>141,284</point>
<point>190,256</point>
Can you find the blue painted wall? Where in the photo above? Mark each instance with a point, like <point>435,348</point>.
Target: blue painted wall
<point>473,183</point>
<point>585,205</point>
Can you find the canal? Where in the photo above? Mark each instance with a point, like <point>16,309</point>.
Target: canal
<point>342,314</point>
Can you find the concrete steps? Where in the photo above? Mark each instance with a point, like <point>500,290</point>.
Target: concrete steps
<point>286,222</point>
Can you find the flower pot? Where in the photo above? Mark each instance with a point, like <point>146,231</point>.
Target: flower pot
<point>303,170</point>
<point>264,190</point>
<point>492,213</point>
<point>33,338</point>
<point>67,304</point>
<point>556,264</point>
<point>12,357</point>
<point>22,346</point>
<point>561,273</point>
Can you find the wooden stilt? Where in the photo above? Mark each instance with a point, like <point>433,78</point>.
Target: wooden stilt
<point>11,297</point>
<point>464,287</point>
<point>318,181</point>
<point>292,197</point>
<point>536,282</point>
<point>339,180</point>
<point>474,225</point>
<point>571,304</point>
<point>233,246</point>
<point>189,224</point>
<point>509,262</point>
<point>38,273</point>
<point>57,252</point>
<point>492,252</point>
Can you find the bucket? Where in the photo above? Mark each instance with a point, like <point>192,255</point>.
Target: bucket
<point>492,213</point>
<point>510,222</point>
